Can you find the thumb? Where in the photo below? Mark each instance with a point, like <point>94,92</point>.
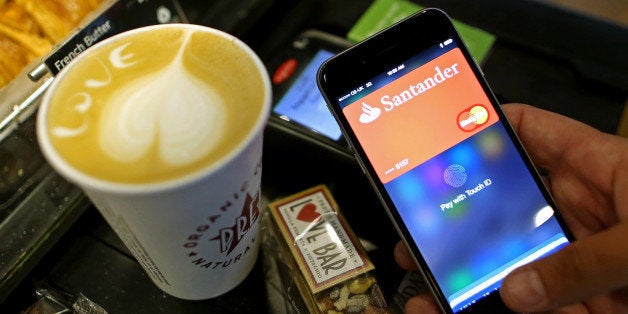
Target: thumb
<point>583,269</point>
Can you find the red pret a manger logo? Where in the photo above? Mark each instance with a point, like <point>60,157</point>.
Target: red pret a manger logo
<point>231,237</point>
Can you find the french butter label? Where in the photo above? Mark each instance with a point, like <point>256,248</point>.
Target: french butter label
<point>121,16</point>
<point>319,238</point>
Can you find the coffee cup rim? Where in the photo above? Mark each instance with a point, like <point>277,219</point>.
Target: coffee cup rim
<point>87,181</point>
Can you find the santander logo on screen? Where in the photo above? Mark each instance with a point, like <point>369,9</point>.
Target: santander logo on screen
<point>369,114</point>
<point>420,115</point>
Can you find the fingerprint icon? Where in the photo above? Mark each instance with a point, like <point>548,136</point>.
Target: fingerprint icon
<point>455,175</point>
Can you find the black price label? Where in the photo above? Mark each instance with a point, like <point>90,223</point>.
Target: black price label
<point>121,16</point>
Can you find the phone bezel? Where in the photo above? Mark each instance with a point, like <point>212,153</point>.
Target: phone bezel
<point>381,52</point>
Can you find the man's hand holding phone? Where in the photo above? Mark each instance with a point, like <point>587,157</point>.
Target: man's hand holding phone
<point>443,159</point>
<point>588,178</point>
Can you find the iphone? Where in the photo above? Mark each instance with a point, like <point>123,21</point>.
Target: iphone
<point>443,159</point>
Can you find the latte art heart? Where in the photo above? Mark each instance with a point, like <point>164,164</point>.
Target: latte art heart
<point>170,111</point>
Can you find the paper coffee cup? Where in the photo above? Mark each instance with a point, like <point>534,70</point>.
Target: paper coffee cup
<point>162,128</point>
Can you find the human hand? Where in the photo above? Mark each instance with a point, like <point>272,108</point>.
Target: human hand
<point>588,178</point>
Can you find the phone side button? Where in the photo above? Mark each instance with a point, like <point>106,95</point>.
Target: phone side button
<point>360,163</point>
<point>478,66</point>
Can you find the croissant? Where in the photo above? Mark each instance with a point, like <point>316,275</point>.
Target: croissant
<point>17,50</point>
<point>15,16</point>
<point>29,29</point>
<point>12,59</point>
<point>57,18</point>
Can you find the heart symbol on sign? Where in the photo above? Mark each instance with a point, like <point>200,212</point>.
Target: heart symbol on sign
<point>308,213</point>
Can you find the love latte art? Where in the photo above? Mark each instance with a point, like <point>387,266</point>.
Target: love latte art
<point>155,106</point>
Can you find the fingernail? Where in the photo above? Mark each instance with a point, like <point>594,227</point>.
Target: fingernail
<point>525,288</point>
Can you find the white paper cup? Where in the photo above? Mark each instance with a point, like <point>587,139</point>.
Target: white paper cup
<point>196,236</point>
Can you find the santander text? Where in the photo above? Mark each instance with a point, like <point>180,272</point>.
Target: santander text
<point>440,76</point>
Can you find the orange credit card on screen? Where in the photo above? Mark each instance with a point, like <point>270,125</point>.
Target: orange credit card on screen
<point>419,115</point>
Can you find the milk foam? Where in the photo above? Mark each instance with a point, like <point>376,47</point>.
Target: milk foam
<point>80,103</point>
<point>156,106</point>
<point>170,111</point>
<point>173,112</point>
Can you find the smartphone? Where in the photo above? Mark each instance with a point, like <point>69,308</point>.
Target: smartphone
<point>299,109</point>
<point>444,161</point>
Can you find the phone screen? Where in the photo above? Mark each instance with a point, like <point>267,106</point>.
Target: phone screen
<point>303,103</point>
<point>446,161</point>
